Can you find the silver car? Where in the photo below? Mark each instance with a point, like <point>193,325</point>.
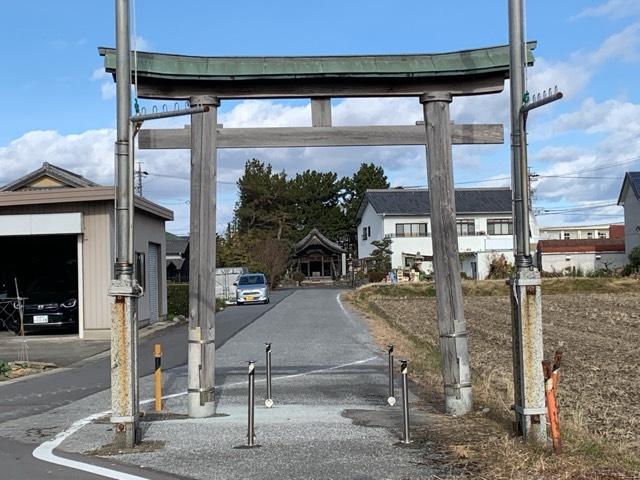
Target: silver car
<point>252,288</point>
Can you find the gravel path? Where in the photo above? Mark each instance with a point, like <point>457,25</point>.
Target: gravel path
<point>326,371</point>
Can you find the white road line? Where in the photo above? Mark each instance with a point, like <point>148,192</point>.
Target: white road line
<point>45,452</point>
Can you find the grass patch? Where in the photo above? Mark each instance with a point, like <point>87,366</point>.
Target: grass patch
<point>488,288</point>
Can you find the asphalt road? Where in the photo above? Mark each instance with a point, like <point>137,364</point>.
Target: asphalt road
<point>43,393</point>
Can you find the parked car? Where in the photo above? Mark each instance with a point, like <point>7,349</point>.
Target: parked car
<point>48,305</point>
<point>252,288</point>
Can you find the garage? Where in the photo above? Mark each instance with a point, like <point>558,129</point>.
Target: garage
<point>57,233</point>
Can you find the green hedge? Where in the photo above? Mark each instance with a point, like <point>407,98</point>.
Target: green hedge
<point>178,300</point>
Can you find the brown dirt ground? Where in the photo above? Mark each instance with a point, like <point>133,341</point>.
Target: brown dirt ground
<point>600,416</point>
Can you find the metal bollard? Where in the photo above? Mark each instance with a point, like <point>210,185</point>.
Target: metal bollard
<point>251,437</point>
<point>391,400</point>
<point>405,401</point>
<point>157,376</point>
<point>269,401</point>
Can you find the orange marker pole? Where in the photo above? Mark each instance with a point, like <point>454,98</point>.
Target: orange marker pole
<point>157,353</point>
<point>550,387</point>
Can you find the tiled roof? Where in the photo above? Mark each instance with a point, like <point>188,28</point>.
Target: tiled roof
<point>314,237</point>
<point>416,201</point>
<point>176,244</point>
<point>587,245</point>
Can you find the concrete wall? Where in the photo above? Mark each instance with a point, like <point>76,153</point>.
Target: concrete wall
<point>587,262</point>
<point>631,221</point>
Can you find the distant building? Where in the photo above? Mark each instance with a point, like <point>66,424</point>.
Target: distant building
<point>577,232</point>
<point>484,221</point>
<point>630,199</point>
<point>320,259</point>
<point>177,259</point>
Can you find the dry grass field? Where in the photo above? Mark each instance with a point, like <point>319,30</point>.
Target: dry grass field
<point>596,324</point>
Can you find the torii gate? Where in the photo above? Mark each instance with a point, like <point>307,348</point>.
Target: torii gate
<point>434,78</point>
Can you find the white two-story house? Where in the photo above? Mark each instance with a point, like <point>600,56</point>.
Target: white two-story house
<point>484,221</point>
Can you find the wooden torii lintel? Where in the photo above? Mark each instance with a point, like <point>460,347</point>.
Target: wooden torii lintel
<point>288,137</point>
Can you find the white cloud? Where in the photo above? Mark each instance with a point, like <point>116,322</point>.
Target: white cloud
<point>140,43</point>
<point>622,45</point>
<point>614,128</point>
<point>612,9</point>
<point>99,74</point>
<point>266,113</point>
<point>107,85</point>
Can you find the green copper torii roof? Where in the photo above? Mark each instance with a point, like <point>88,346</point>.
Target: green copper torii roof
<point>161,66</point>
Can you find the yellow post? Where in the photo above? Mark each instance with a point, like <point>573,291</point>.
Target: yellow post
<point>157,353</point>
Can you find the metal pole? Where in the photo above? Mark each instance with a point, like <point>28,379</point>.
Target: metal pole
<point>124,290</point>
<point>251,437</point>
<point>526,299</point>
<point>269,401</point>
<point>123,111</point>
<point>391,399</point>
<point>405,401</point>
<point>518,138</point>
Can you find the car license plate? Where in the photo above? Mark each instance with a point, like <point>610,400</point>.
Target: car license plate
<point>40,319</point>
<point>248,297</point>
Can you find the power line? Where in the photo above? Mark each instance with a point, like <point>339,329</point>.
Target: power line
<point>580,214</point>
<point>564,175</point>
<point>178,177</point>
<point>579,209</point>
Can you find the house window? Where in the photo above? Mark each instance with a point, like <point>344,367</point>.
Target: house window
<point>567,236</point>
<point>411,229</point>
<point>589,234</point>
<point>602,235</point>
<point>364,233</point>
<point>409,261</point>
<point>500,227</point>
<point>466,227</point>
<point>140,270</point>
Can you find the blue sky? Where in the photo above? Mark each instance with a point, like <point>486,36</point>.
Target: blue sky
<point>58,106</point>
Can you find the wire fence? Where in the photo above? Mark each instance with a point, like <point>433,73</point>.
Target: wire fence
<point>12,318</point>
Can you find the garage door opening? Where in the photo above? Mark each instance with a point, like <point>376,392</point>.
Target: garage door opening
<point>46,270</point>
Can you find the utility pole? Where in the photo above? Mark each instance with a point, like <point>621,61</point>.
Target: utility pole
<point>124,289</point>
<point>139,174</point>
<point>526,313</point>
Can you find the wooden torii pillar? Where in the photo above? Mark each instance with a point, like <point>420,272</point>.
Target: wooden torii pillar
<point>436,132</point>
